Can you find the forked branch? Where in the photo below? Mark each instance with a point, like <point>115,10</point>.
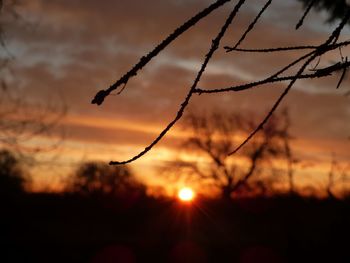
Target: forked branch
<point>315,52</point>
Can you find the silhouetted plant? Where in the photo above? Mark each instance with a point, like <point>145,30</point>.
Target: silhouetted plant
<point>12,178</point>
<point>338,175</point>
<point>214,135</point>
<point>97,178</point>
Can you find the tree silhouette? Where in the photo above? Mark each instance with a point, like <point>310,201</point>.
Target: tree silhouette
<point>98,179</point>
<point>214,135</point>
<point>336,9</point>
<point>12,178</point>
<point>313,53</point>
<point>338,175</point>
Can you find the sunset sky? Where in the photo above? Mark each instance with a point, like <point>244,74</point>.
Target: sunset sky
<point>68,50</point>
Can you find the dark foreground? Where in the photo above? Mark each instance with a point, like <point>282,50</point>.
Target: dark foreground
<point>54,228</point>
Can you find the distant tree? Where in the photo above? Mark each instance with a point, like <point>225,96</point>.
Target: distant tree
<point>12,178</point>
<point>289,157</point>
<point>338,175</point>
<point>213,137</point>
<point>97,178</point>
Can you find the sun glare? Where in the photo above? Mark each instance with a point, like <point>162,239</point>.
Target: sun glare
<point>186,194</point>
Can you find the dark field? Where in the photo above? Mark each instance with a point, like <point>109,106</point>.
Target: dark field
<point>70,228</point>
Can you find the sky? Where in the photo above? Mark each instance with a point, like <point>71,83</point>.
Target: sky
<point>65,51</point>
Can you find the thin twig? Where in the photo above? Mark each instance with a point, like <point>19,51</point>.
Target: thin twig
<point>342,77</point>
<point>273,78</point>
<point>274,107</point>
<point>301,21</point>
<point>318,74</point>
<point>251,26</point>
<point>267,50</point>
<point>261,82</point>
<point>324,47</point>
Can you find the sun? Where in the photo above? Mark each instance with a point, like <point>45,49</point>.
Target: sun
<point>186,194</point>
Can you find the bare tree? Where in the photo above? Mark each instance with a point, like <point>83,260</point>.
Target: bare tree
<point>313,53</point>
<point>214,135</point>
<point>345,178</point>
<point>290,159</point>
<point>331,178</point>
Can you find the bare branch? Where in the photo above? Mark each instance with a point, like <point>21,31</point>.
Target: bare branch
<point>260,83</point>
<point>324,72</point>
<point>319,51</point>
<point>268,50</point>
<point>342,77</point>
<point>213,48</point>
